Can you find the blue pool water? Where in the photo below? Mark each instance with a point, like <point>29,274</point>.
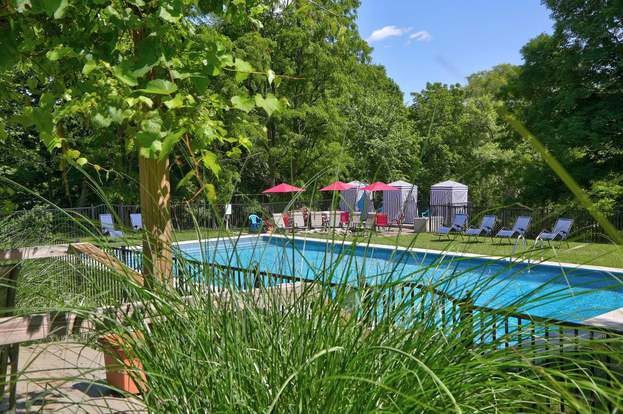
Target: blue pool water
<point>571,294</point>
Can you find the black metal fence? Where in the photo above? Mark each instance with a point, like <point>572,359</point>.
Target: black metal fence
<point>399,304</point>
<point>74,223</point>
<point>585,227</point>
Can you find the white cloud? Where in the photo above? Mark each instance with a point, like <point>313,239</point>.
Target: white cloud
<point>421,36</point>
<point>386,32</point>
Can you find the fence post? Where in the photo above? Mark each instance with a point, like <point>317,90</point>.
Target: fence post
<point>466,313</point>
<point>9,354</point>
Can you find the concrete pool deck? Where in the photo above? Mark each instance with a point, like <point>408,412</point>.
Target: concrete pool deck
<point>66,377</point>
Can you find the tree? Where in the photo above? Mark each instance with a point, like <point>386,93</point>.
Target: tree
<point>136,72</point>
<point>571,87</point>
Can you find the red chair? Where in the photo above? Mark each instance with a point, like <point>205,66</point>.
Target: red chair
<point>344,219</point>
<point>381,221</point>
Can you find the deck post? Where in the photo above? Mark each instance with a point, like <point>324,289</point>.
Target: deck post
<point>9,354</point>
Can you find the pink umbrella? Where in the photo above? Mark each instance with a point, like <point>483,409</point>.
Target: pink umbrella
<point>379,186</point>
<point>337,186</point>
<point>283,188</point>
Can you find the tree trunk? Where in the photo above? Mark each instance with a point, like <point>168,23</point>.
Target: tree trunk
<point>155,194</point>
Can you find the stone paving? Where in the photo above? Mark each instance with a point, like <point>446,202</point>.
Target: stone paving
<point>66,377</point>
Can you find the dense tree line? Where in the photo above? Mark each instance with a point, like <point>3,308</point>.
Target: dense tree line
<point>340,116</point>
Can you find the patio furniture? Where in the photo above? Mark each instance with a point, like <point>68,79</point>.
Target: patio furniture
<point>519,229</point>
<point>458,226</point>
<point>137,221</point>
<point>344,219</point>
<point>382,221</point>
<point>255,223</point>
<point>486,227</point>
<point>298,220</point>
<point>561,231</point>
<point>280,221</point>
<point>107,226</point>
<point>317,220</point>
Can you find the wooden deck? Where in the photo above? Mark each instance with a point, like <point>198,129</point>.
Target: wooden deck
<point>66,377</point>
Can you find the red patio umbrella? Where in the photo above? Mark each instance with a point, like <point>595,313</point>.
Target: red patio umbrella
<point>337,186</point>
<point>380,186</point>
<point>283,188</point>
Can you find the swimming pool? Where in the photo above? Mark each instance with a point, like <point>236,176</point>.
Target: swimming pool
<point>567,293</point>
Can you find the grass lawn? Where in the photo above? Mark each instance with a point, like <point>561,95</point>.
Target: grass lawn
<point>581,253</point>
<point>598,254</point>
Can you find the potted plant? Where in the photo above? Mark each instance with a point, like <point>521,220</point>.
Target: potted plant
<point>122,368</point>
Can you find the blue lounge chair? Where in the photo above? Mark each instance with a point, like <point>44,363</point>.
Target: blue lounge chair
<point>519,228</point>
<point>255,223</point>
<point>561,231</point>
<point>108,226</point>
<point>458,225</point>
<point>137,221</point>
<point>486,227</point>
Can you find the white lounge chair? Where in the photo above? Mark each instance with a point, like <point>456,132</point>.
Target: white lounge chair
<point>107,226</point>
<point>137,221</point>
<point>280,223</point>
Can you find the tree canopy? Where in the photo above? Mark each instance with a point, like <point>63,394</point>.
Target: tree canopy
<point>240,95</point>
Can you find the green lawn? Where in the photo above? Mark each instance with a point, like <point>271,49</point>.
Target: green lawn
<point>582,253</point>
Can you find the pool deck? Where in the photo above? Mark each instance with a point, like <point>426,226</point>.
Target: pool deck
<point>66,377</point>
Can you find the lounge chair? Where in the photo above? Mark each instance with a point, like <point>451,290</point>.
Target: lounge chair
<point>317,220</point>
<point>255,223</point>
<point>298,220</point>
<point>458,225</point>
<point>486,227</point>
<point>345,219</point>
<point>561,231</point>
<point>382,221</point>
<point>137,221</point>
<point>108,226</point>
<point>519,228</point>
<point>280,221</point>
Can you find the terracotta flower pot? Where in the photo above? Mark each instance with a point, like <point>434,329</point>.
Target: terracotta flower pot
<point>120,368</point>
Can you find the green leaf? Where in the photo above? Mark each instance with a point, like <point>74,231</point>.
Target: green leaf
<point>124,73</point>
<point>210,160</point>
<point>184,181</point>
<point>211,192</point>
<point>146,141</point>
<point>102,121</point>
<point>177,102</point>
<point>89,67</point>
<point>269,104</point>
<point>72,154</point>
<point>81,161</point>
<point>169,142</point>
<point>55,8</point>
<point>3,133</point>
<point>58,53</point>
<point>159,87</point>
<point>271,76</point>
<point>243,102</point>
<point>243,68</point>
<point>170,13</point>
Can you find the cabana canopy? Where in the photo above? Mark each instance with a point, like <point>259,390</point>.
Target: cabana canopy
<point>446,196</point>
<point>403,201</point>
<point>355,198</point>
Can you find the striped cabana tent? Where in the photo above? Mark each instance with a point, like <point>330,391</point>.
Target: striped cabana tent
<point>403,201</point>
<point>448,198</point>
<point>355,198</point>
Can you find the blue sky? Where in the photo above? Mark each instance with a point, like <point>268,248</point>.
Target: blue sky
<point>421,41</point>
